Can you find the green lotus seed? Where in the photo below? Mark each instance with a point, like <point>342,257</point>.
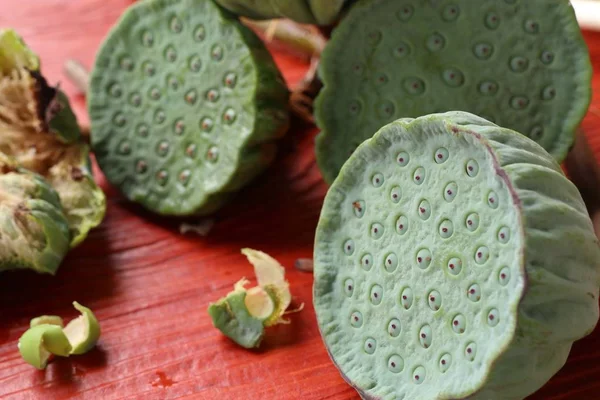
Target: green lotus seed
<point>84,331</point>
<point>38,343</point>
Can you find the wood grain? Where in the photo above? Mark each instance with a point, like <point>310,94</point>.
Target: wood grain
<point>150,286</point>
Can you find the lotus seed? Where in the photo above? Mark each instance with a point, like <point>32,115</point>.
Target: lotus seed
<point>162,177</point>
<point>162,149</point>
<point>190,151</point>
<point>175,25</point>
<point>179,127</point>
<point>159,116</point>
<point>358,207</point>
<point>424,210</point>
<point>406,13</point>
<point>170,54</point>
<point>124,148</point>
<point>414,86</point>
<point>147,39</point>
<point>453,77</point>
<point>206,124</point>
<point>377,180</point>
<point>450,12</point>
<point>376,230</point>
<point>119,119</point>
<point>425,336</point>
<point>230,80</point>
<point>402,225</point>
<point>229,116</point>
<point>395,363</point>
<point>482,254</point>
<point>434,299</point>
<point>135,99</point>
<point>184,176</point>
<point>115,90</point>
<point>423,258</point>
<point>191,96</point>
<point>199,33</point>
<point>173,82</point>
<point>531,26</point>
<point>454,266</point>
<point>504,276</point>
<point>403,158</point>
<point>356,319</point>
<point>349,247</point>
<point>548,93</point>
<point>394,327</point>
<point>366,261</point>
<point>493,317</point>
<point>536,133</point>
<point>195,64</point>
<point>376,295</point>
<point>504,234</point>
<point>445,362</point>
<point>126,64</point>
<point>441,155</point>
<point>401,50</point>
<point>154,93</point>
<point>547,57</point>
<point>406,298</point>
<point>142,130</point>
<point>472,222</point>
<point>386,109</point>
<point>450,192</point>
<point>492,20</point>
<point>419,375</point>
<point>395,194</point>
<point>519,64</point>
<point>419,176</point>
<point>459,324</point>
<point>212,95</point>
<point>474,293</point>
<point>216,53</point>
<point>349,287</point>
<point>446,229</point>
<point>471,351</point>
<point>141,166</point>
<point>519,102</point>
<point>472,168</point>
<point>391,262</point>
<point>492,200</point>
<point>370,346</point>
<point>436,42</point>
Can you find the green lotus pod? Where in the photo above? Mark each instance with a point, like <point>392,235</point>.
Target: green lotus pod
<point>84,331</point>
<point>453,260</point>
<point>316,12</point>
<point>244,313</point>
<point>185,104</point>
<point>34,233</point>
<point>39,343</point>
<point>14,53</point>
<point>46,320</point>
<point>38,128</point>
<point>522,64</point>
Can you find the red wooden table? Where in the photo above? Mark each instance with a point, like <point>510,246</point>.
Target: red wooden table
<point>150,286</point>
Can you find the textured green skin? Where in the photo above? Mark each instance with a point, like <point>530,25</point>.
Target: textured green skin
<point>354,102</point>
<point>558,261</point>
<point>38,342</point>
<point>317,12</point>
<point>42,253</point>
<point>246,147</point>
<point>230,316</point>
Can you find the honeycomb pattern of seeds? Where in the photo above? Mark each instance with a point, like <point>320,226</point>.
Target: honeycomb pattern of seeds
<point>142,130</point>
<point>206,124</point>
<point>199,33</point>
<point>154,93</point>
<point>377,180</point>
<point>179,127</point>
<point>530,26</point>
<point>402,225</point>
<point>547,57</point>
<point>483,51</point>
<point>148,39</point>
<point>519,64</point>
<point>395,363</point>
<point>450,12</point>
<point>359,207</point>
<point>434,300</point>
<point>184,176</point>
<point>406,298</point>
<point>482,255</point>
<point>414,86</point>
<point>229,116</point>
<point>170,54</point>
<point>348,247</point>
<point>230,80</point>
<point>162,177</point>
<point>471,351</point>
<point>493,200</point>
<point>474,293</point>
<point>419,375</point>
<point>519,102</point>
<point>149,68</point>
<point>548,93</point>
<point>141,166</point>
<point>492,20</point>
<point>424,210</point>
<point>419,176</point>
<point>356,319</point>
<point>504,234</point>
<point>504,276</point>
<point>450,192</point>
<point>423,258</point>
<point>425,336</point>
<point>119,119</point>
<point>212,95</point>
<point>212,155</point>
<point>191,96</point>
<point>459,324</point>
<point>453,77</point>
<point>115,90</point>
<point>370,345</point>
<point>135,99</point>
<point>216,53</point>
<point>435,42</point>
<point>446,229</point>
<point>376,295</point>
<point>195,64</point>
<point>190,151</point>
<point>536,133</point>
<point>126,64</point>
<point>159,116</point>
<point>441,155</point>
<point>175,25</point>
<point>403,158</point>
<point>472,222</point>
<point>472,168</point>
<point>124,148</point>
<point>401,50</point>
<point>376,230</point>
<point>445,362</point>
<point>162,148</point>
<point>395,194</point>
<point>406,13</point>
<point>366,262</point>
<point>386,109</point>
<point>493,317</point>
<point>349,287</point>
<point>454,265</point>
<point>394,328</point>
<point>391,262</point>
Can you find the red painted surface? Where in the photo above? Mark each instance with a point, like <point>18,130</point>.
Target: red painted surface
<point>150,286</point>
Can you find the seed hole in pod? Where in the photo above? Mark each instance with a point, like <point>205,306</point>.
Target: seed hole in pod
<point>356,319</point>
<point>394,327</point>
<point>504,234</point>
<point>190,151</point>
<point>424,210</point>
<point>519,64</point>
<point>488,88</point>
<point>230,80</point>
<point>472,222</point>
<point>401,50</point>
<point>229,116</point>
<point>472,168</point>
<point>358,208</point>
<point>471,351</point>
<point>519,102</point>
<point>114,90</point>
<point>402,225</point>
<point>159,116</point>
<point>459,324</point>
<point>370,345</point>
<point>492,20</point>
<point>434,300</point>
<point>376,295</point>
<point>142,130</point>
<point>147,39</point>
<point>386,109</point>
<point>547,57</point>
<point>191,96</point>
<point>376,230</point>
<point>423,258</point>
<point>453,77</point>
<point>441,155</point>
<point>504,276</point>
<point>445,362</point>
<point>391,262</point>
<point>126,64</point>
<point>179,127</point>
<point>216,53</point>
<point>374,37</point>
<point>531,26</point>
<point>170,54</point>
<point>395,194</point>
<point>349,287</point>
<point>348,247</point>
<point>483,51</point>
<point>124,148</point>
<point>212,95</point>
<point>482,254</point>
<point>195,64</point>
<point>175,25</point>
<point>406,298</point>
<point>162,177</point>
<point>184,176</point>
<point>454,266</point>
<point>206,124</point>
<point>419,176</point>
<point>419,375</point>
<point>435,42</point>
<point>154,93</point>
<point>212,155</point>
<point>395,363</point>
<point>425,336</point>
<point>405,13</point>
<point>492,200</point>
<point>141,166</point>
<point>450,191</point>
<point>446,229</point>
<point>450,12</point>
<point>162,148</point>
<point>148,68</point>
<point>403,158</point>
<point>199,33</point>
<point>119,119</point>
<point>414,86</point>
<point>377,180</point>
<point>382,79</point>
<point>366,262</point>
<point>358,68</point>
<point>536,132</point>
<point>493,317</point>
<point>474,293</point>
<point>548,93</point>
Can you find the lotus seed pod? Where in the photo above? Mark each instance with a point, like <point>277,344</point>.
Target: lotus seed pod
<point>47,320</point>
<point>468,292</point>
<point>84,331</point>
<point>316,12</point>
<point>185,105</point>
<point>34,233</point>
<point>40,131</point>
<point>521,64</point>
<point>39,343</point>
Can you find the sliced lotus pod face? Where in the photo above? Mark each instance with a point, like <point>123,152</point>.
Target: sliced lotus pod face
<point>33,229</point>
<point>316,12</point>
<point>185,104</point>
<point>493,284</point>
<point>521,64</point>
